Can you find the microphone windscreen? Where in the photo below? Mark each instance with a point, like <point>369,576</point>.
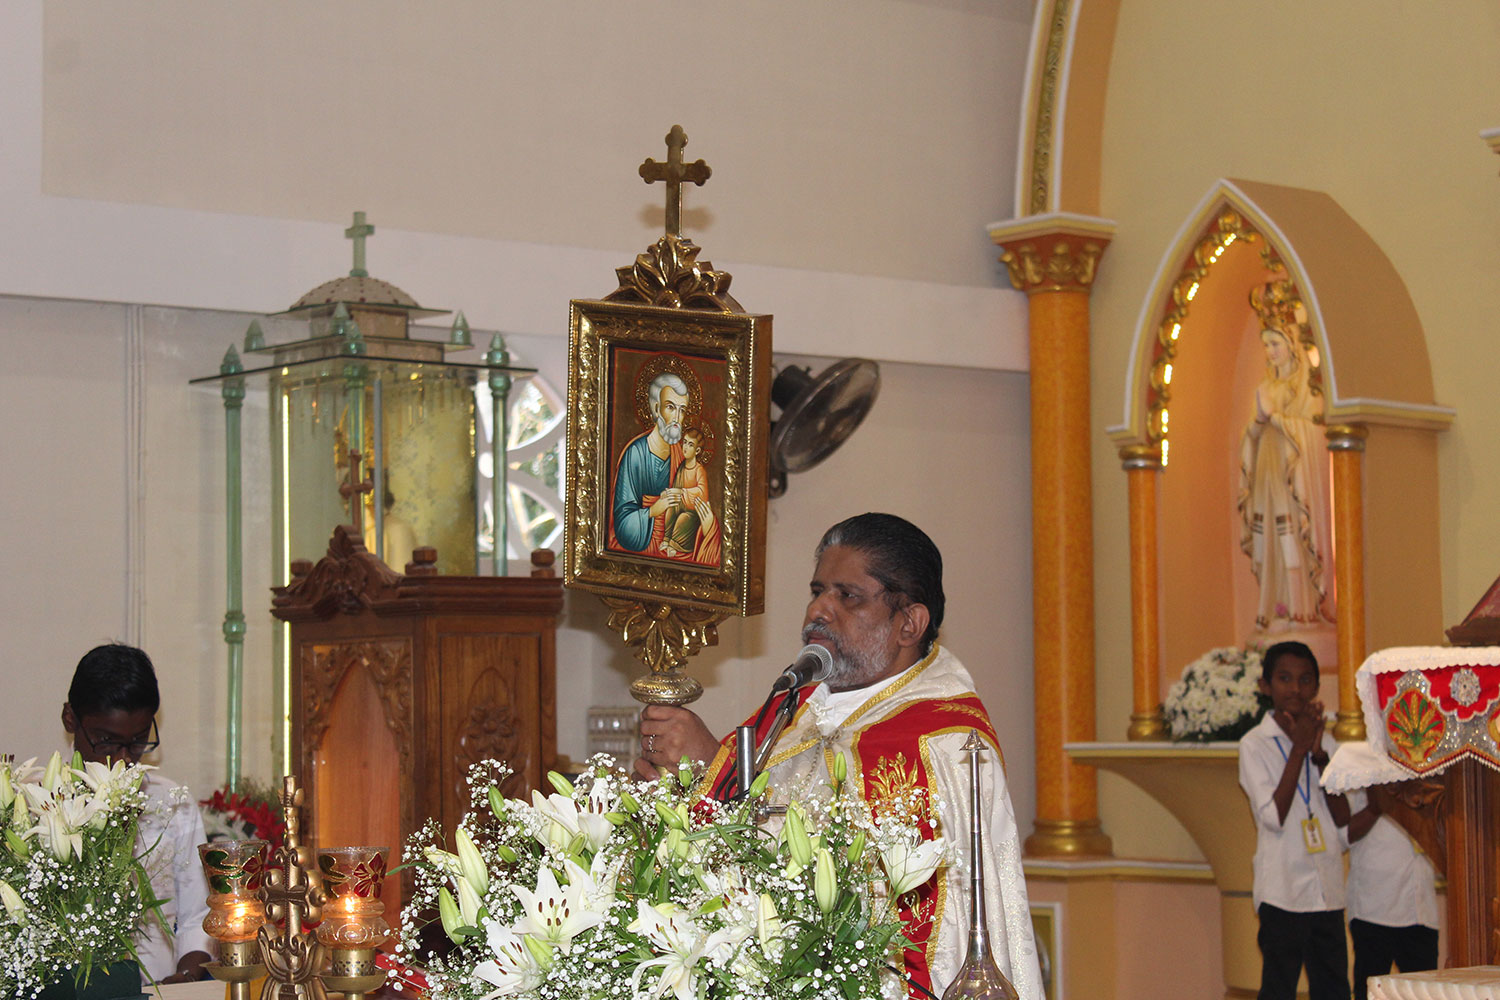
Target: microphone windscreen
<point>824,658</point>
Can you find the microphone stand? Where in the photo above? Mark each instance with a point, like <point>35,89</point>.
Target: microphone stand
<point>750,759</point>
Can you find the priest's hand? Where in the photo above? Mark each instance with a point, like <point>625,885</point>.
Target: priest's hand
<point>669,733</point>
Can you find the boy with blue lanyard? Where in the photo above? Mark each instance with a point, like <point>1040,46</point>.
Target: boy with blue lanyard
<point>1299,867</point>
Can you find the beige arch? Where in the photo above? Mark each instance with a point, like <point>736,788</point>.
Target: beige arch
<point>1373,350</point>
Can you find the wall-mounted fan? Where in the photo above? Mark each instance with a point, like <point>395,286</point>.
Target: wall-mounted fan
<point>817,414</point>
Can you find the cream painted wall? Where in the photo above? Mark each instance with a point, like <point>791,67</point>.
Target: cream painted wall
<point>1379,105</point>
<point>855,136</point>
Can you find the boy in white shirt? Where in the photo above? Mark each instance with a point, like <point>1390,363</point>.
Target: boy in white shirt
<point>110,715</point>
<point>1392,898</point>
<point>1299,869</point>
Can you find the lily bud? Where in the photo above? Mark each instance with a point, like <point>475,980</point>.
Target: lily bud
<point>470,863</point>
<point>796,836</point>
<point>540,951</point>
<point>448,913</point>
<point>497,802</point>
<point>825,881</point>
<point>685,773</point>
<point>468,903</point>
<point>758,786</point>
<point>631,805</point>
<point>7,792</point>
<point>767,922</point>
<point>857,848</point>
<point>563,785</point>
<point>12,900</point>
<point>17,845</point>
<point>53,772</point>
<point>672,844</point>
<point>669,816</point>
<point>506,854</point>
<point>840,769</point>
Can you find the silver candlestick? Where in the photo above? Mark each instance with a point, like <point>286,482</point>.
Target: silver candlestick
<point>978,977</point>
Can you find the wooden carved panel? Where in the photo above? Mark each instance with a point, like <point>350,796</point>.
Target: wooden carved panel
<point>389,665</point>
<point>491,731</point>
<point>492,693</point>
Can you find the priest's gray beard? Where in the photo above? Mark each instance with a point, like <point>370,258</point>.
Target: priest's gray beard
<point>671,433</point>
<point>860,660</point>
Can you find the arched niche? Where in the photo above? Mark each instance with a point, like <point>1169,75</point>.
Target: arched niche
<point>1194,364</point>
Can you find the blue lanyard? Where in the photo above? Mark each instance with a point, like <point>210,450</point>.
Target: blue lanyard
<point>1307,795</point>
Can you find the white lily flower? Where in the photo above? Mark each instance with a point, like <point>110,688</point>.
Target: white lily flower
<point>908,865</point>
<point>60,840</point>
<point>555,915</point>
<point>513,969</point>
<point>564,813</point>
<point>598,894</point>
<point>679,943</point>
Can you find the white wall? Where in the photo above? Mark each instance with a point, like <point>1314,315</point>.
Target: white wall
<point>113,518</point>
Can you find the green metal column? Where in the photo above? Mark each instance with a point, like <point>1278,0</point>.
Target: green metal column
<point>499,397</point>
<point>233,392</point>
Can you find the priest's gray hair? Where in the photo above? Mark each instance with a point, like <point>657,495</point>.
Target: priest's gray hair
<point>901,558</point>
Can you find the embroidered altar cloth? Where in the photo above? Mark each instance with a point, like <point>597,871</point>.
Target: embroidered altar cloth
<point>1428,706</point>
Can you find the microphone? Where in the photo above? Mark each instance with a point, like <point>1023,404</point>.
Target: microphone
<point>812,665</point>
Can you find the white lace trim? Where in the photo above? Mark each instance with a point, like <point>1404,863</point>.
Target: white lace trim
<point>1358,765</point>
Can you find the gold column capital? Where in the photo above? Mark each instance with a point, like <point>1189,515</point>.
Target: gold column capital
<point>1055,252</point>
<point>1140,456</point>
<point>1346,437</point>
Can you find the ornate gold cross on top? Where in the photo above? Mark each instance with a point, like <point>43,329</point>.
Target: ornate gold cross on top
<point>674,172</point>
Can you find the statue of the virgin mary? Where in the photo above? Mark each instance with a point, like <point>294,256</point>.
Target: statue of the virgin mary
<point>1283,496</point>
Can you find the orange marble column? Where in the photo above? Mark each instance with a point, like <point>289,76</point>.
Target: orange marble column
<point>1142,465</point>
<point>1346,443</point>
<point>1053,260</point>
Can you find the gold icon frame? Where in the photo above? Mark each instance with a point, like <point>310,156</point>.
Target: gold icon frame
<point>725,357</point>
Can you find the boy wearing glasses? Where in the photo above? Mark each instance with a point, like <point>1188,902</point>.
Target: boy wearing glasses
<point>110,715</point>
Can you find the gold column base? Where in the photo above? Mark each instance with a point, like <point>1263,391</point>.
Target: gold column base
<point>1349,725</point>
<point>1068,838</point>
<point>1151,726</point>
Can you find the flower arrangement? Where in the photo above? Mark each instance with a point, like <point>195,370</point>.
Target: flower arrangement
<point>1218,697</point>
<point>615,888</point>
<point>252,813</point>
<point>72,888</point>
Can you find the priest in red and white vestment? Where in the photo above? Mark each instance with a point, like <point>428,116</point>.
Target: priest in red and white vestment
<point>899,707</point>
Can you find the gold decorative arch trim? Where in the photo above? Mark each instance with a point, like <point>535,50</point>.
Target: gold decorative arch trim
<point>1359,316</point>
<point>1062,115</point>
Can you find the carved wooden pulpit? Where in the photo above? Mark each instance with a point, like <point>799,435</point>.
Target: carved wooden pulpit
<point>400,682</point>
